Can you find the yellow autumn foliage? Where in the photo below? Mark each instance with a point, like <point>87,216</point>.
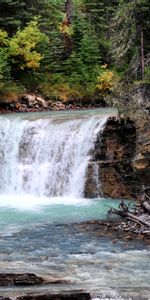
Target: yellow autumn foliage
<point>61,91</point>
<point>3,37</point>
<point>65,27</point>
<point>106,82</point>
<point>23,45</point>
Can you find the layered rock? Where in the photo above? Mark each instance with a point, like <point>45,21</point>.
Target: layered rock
<point>136,105</point>
<point>113,154</point>
<point>122,153</point>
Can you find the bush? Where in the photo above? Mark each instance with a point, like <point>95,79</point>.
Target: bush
<point>10,92</point>
<point>147,74</point>
<point>106,82</point>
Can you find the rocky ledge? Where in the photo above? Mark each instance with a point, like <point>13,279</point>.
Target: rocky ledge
<point>35,103</point>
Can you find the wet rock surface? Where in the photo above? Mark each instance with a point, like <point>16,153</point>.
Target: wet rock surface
<point>27,279</point>
<point>134,103</point>
<point>113,154</point>
<point>61,296</point>
<point>122,152</point>
<point>10,279</point>
<point>72,295</point>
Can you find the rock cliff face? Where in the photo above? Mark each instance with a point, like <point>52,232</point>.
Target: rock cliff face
<point>114,152</point>
<point>141,161</point>
<point>122,153</point>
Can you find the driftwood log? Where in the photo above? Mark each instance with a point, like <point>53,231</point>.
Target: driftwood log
<point>123,211</point>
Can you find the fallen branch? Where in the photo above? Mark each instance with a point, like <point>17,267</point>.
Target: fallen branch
<point>125,213</point>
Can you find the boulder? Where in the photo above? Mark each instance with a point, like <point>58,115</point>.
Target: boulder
<point>32,100</point>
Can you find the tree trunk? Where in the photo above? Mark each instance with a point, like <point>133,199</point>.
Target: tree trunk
<point>142,54</point>
<point>69,10</point>
<point>68,41</point>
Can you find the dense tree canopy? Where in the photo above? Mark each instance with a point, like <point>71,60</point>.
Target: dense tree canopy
<point>73,49</point>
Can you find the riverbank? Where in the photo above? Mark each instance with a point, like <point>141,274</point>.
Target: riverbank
<point>36,103</point>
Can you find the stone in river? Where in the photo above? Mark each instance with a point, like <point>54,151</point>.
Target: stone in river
<point>60,296</point>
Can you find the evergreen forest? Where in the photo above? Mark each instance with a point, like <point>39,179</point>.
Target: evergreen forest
<point>73,50</point>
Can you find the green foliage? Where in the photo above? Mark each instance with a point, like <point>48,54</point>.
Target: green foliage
<point>147,74</point>
<point>15,14</point>
<point>4,66</point>
<point>130,19</point>
<point>58,47</point>
<point>3,38</point>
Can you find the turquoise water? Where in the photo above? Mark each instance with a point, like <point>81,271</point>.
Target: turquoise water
<point>23,210</point>
<point>67,114</point>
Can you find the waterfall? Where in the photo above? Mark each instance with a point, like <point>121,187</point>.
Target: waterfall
<point>46,156</point>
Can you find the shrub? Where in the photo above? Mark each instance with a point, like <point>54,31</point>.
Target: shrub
<point>106,81</point>
<point>10,92</point>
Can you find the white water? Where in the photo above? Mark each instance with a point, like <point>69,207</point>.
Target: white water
<point>46,157</point>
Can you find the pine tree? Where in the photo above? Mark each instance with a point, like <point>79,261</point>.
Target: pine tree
<point>129,35</point>
<point>13,15</point>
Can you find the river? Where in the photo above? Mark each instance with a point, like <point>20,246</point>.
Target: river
<point>44,158</point>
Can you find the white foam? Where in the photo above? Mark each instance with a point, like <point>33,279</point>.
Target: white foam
<point>30,202</point>
<point>106,298</point>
